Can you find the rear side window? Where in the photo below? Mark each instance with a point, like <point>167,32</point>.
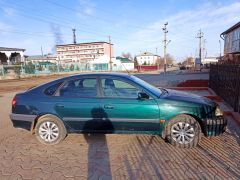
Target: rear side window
<point>82,88</point>
<point>50,91</point>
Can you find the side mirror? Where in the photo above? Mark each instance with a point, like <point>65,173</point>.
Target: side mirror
<point>143,95</point>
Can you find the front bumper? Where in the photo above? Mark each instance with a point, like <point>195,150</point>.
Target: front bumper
<point>23,121</point>
<point>215,126</point>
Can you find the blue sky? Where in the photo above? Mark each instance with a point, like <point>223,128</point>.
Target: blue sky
<point>134,25</point>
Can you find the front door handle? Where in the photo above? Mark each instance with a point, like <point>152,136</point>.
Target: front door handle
<point>108,106</point>
<point>60,105</point>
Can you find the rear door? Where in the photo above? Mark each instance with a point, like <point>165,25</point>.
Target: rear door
<point>78,104</point>
<point>123,108</point>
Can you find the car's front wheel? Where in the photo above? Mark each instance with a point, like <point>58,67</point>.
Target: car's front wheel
<point>183,131</point>
<point>50,130</point>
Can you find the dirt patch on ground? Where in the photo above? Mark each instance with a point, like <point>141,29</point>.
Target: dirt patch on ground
<point>14,85</point>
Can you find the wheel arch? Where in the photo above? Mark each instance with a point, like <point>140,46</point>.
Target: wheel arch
<point>189,114</point>
<point>33,125</point>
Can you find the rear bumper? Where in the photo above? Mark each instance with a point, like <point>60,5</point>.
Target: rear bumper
<point>23,121</point>
<point>215,126</point>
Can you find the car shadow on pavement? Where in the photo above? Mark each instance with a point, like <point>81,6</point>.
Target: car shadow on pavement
<point>98,152</point>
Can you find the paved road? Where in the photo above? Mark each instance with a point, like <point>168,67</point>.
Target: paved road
<point>169,80</point>
<point>114,156</point>
<point>172,79</point>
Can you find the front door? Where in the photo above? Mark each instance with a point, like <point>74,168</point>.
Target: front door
<point>123,108</point>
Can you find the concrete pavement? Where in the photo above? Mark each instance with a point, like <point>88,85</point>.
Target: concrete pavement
<point>114,156</point>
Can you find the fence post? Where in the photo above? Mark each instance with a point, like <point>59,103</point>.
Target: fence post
<point>238,90</point>
<point>217,78</point>
<point>3,70</point>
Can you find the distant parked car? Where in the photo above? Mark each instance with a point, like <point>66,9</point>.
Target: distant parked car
<point>182,68</point>
<point>114,103</point>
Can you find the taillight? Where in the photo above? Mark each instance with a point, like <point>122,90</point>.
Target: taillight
<point>14,101</point>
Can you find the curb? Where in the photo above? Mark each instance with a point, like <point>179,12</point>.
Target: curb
<point>234,115</point>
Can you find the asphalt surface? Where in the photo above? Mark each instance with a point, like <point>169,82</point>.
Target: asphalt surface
<point>114,156</point>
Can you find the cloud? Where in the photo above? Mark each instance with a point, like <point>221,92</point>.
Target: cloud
<point>87,8</point>
<point>211,18</point>
<point>9,12</point>
<point>4,28</point>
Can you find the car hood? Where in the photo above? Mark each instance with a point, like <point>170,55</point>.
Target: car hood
<point>187,97</point>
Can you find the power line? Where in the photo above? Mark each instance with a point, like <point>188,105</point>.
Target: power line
<point>51,19</point>
<point>40,18</point>
<point>110,51</point>
<point>92,16</point>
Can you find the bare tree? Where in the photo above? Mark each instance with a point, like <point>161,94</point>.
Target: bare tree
<point>170,59</point>
<point>189,61</point>
<point>127,55</point>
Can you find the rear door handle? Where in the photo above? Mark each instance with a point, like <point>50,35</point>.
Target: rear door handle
<point>108,106</point>
<point>60,105</point>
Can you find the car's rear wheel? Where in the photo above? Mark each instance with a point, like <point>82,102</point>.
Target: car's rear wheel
<point>50,130</point>
<point>183,131</point>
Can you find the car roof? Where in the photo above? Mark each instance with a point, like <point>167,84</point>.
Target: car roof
<point>111,74</point>
<point>102,74</point>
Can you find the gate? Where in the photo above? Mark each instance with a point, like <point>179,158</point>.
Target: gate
<point>224,79</point>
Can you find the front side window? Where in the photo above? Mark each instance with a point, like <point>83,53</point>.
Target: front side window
<point>115,88</point>
<point>82,88</point>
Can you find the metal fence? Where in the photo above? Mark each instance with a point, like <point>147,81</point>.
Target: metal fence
<point>225,81</point>
<point>34,69</point>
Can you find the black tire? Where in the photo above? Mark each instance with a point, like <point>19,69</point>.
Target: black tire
<point>188,139</point>
<point>53,122</point>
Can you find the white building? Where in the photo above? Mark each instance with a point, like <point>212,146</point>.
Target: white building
<point>103,63</point>
<point>118,64</point>
<point>83,52</point>
<point>208,60</point>
<point>126,64</point>
<point>147,58</point>
<point>11,55</point>
<point>45,58</point>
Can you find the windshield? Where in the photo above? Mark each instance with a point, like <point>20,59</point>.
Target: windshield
<point>148,86</point>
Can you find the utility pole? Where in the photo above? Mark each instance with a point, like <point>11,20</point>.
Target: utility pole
<point>158,60</point>
<point>74,36</point>
<point>200,36</point>
<point>42,52</point>
<point>110,53</point>
<point>204,50</point>
<point>165,41</point>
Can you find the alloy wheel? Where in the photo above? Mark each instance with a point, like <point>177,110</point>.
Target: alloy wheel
<point>48,131</point>
<point>182,132</point>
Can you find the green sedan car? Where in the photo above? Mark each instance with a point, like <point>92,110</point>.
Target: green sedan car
<point>114,103</point>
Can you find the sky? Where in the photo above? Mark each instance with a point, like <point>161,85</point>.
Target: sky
<point>135,26</point>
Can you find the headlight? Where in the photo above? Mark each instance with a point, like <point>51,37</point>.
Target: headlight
<point>218,111</point>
